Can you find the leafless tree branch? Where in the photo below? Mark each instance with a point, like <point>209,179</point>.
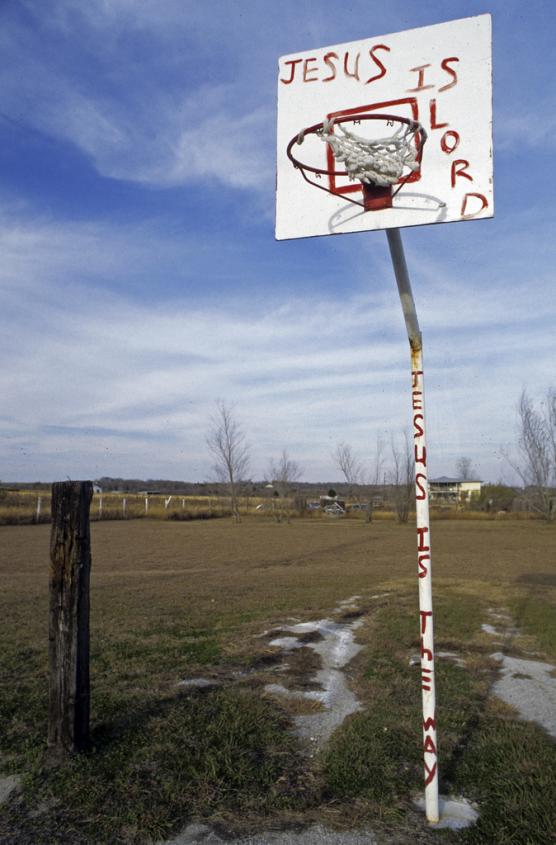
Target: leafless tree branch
<point>283,473</point>
<point>402,475</point>
<point>536,445</point>
<point>464,468</point>
<point>227,444</point>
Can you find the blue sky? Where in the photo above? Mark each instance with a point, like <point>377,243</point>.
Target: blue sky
<point>140,278</point>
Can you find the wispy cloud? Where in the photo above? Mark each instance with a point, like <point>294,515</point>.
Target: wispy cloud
<point>527,129</point>
<point>118,336</point>
<point>104,382</point>
<point>163,94</point>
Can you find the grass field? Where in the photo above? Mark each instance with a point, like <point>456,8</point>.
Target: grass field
<point>31,507</point>
<point>171,600</point>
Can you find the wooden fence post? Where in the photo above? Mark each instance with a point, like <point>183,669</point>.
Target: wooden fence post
<point>70,557</point>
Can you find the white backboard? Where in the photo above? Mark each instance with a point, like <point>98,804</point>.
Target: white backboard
<point>439,75</point>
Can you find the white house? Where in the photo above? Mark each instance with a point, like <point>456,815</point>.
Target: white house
<point>453,491</point>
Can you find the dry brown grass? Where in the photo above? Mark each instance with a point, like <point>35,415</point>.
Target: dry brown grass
<point>174,599</point>
<point>149,574</point>
<point>19,507</point>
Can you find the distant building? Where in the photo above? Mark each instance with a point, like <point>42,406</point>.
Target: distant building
<point>97,488</point>
<point>453,491</point>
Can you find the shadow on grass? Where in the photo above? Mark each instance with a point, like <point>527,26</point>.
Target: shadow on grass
<point>155,766</point>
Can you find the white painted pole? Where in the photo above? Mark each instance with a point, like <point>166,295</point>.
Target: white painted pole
<point>424,564</point>
<point>100,507</point>
<point>146,504</point>
<point>39,505</point>
<point>124,508</point>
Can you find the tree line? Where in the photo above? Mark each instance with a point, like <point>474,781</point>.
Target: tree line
<point>534,463</point>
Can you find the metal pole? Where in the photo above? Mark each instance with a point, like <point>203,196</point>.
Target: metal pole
<point>424,564</point>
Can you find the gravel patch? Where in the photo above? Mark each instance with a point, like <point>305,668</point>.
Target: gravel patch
<point>8,785</point>
<point>529,686</point>
<point>199,834</point>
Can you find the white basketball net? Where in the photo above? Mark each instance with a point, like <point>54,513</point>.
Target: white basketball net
<point>380,161</point>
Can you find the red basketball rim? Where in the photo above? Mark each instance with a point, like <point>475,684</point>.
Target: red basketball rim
<point>420,134</point>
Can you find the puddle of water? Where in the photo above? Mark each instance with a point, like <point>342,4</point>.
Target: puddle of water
<point>490,629</point>
<point>502,616</point>
<point>287,643</point>
<point>8,785</point>
<point>496,632</point>
<point>336,648</point>
<point>455,813</point>
<point>306,627</point>
<point>451,655</point>
<point>338,701</point>
<point>528,686</point>
<point>199,683</point>
<point>349,602</point>
<point>195,834</point>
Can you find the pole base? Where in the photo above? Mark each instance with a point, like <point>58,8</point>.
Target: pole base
<point>456,813</point>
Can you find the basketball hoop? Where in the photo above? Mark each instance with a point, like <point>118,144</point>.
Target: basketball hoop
<point>378,163</point>
<point>367,164</point>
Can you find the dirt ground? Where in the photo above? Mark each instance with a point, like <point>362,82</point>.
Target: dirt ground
<point>143,569</point>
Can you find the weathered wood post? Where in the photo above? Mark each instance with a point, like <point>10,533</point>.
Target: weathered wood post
<point>70,557</point>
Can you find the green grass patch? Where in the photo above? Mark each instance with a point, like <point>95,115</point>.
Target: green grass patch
<point>506,766</point>
<point>535,616</point>
<point>457,616</point>
<point>146,775</point>
<point>376,755</point>
<point>23,705</point>
<point>509,768</point>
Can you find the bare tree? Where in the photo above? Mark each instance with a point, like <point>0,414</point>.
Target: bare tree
<point>353,471</point>
<point>282,474</point>
<point>226,441</point>
<point>464,468</point>
<point>349,465</point>
<point>375,475</point>
<point>402,476</point>
<point>536,464</point>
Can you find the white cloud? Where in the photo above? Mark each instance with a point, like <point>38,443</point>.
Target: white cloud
<point>165,93</point>
<point>96,382</point>
<point>527,130</point>
<point>109,370</point>
<point>165,120</point>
